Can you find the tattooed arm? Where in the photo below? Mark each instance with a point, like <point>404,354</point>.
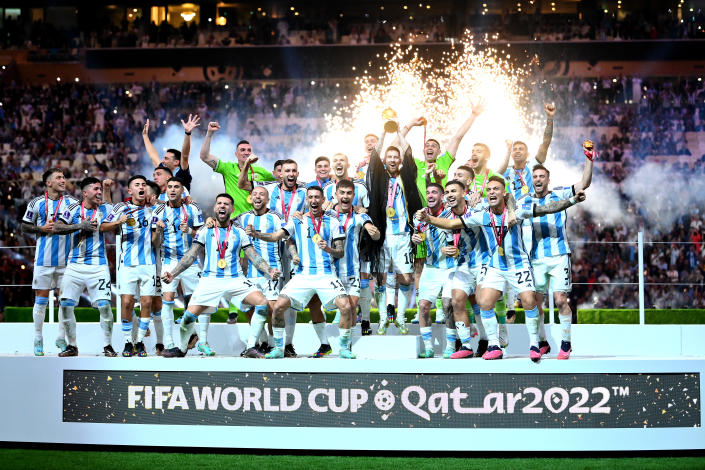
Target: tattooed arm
<point>291,246</point>
<point>36,229</point>
<point>261,265</point>
<point>337,250</point>
<point>557,206</point>
<point>191,255</point>
<point>61,228</point>
<point>547,133</point>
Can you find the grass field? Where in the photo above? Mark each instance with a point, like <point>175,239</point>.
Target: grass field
<point>57,459</point>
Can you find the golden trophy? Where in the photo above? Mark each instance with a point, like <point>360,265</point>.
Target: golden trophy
<point>390,123</point>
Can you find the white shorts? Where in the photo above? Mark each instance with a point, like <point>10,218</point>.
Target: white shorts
<point>432,282</point>
<point>352,285</point>
<point>210,290</point>
<point>270,288</point>
<point>397,254</point>
<point>463,278</point>
<point>521,280</point>
<point>138,280</point>
<point>302,287</point>
<point>47,277</point>
<point>553,269</point>
<point>93,278</point>
<point>188,279</point>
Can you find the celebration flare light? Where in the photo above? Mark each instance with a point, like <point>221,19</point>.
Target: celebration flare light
<point>444,93</point>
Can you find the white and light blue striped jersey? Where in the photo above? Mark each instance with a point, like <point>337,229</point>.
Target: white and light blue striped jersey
<point>515,255</point>
<point>175,243</point>
<point>236,241</point>
<point>87,247</point>
<point>51,250</point>
<point>514,178</point>
<point>349,264</point>
<point>269,222</point>
<point>313,259</point>
<point>319,183</point>
<point>276,193</point>
<point>163,196</point>
<point>549,236</point>
<point>435,239</point>
<point>137,239</point>
<point>399,223</point>
<point>361,198</point>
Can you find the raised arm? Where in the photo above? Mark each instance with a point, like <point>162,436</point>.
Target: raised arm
<point>557,206</point>
<point>206,157</point>
<point>189,126</point>
<point>419,121</point>
<point>242,181</point>
<point>505,163</point>
<point>186,261</point>
<point>108,190</point>
<point>550,110</point>
<point>151,151</point>
<point>261,265</point>
<point>586,179</point>
<point>454,143</point>
<point>380,143</point>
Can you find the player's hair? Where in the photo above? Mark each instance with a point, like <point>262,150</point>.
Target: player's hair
<point>278,163</point>
<point>392,147</point>
<point>177,154</point>
<point>343,184</point>
<point>156,190</point>
<point>370,135</point>
<point>322,159</point>
<point>457,183</point>
<point>87,181</point>
<point>341,154</point>
<point>498,179</point>
<point>289,161</point>
<point>136,177</point>
<point>47,174</point>
<point>434,140</point>
<point>520,142</point>
<point>484,146</point>
<point>227,196</point>
<point>314,188</point>
<point>539,166</point>
<point>435,185</point>
<point>162,167</point>
<point>175,179</point>
<point>468,169</point>
<point>243,141</point>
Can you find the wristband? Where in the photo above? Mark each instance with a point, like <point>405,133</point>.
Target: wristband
<point>187,133</point>
<point>573,201</point>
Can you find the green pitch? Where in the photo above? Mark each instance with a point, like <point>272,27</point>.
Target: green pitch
<point>55,459</point>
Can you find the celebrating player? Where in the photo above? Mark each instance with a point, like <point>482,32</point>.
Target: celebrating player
<point>322,169</point>
<point>177,162</point>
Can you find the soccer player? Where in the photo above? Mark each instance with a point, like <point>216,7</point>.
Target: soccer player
<point>315,241</point>
<point>509,261</point>
<point>161,176</point>
<point>51,250</point>
<point>231,170</point>
<point>394,198</point>
<point>177,162</point>
<point>222,275</point>
<point>441,250</point>
<point>550,253</point>
<point>322,169</point>
<point>263,220</point>
<point>174,225</point>
<point>340,172</point>
<point>371,141</point>
<point>138,271</point>
<point>349,266</point>
<point>87,265</point>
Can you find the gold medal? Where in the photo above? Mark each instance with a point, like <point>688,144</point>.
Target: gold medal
<point>249,198</point>
<point>360,175</point>
<point>317,238</point>
<point>222,263</point>
<point>131,222</point>
<point>524,189</point>
<point>500,250</point>
<point>455,252</point>
<point>390,212</point>
<point>422,236</point>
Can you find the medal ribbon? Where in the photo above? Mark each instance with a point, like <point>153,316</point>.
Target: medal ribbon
<point>518,173</point>
<point>498,233</point>
<point>286,210</point>
<point>46,207</point>
<point>222,246</point>
<point>484,182</point>
<point>316,228</point>
<point>83,213</point>
<point>347,219</point>
<point>420,227</point>
<point>252,174</point>
<point>184,212</point>
<point>392,193</point>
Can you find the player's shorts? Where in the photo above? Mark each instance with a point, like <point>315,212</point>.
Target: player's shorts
<point>302,287</point>
<point>463,278</point>
<point>188,279</point>
<point>553,269</point>
<point>93,278</point>
<point>521,280</point>
<point>397,254</point>
<point>432,282</point>
<point>210,290</point>
<point>138,281</point>
<point>47,277</point>
<point>351,284</point>
<point>269,287</point>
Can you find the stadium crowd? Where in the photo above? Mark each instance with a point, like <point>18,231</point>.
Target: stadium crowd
<point>96,130</point>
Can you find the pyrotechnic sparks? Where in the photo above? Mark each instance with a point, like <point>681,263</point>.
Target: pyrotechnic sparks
<point>445,94</point>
